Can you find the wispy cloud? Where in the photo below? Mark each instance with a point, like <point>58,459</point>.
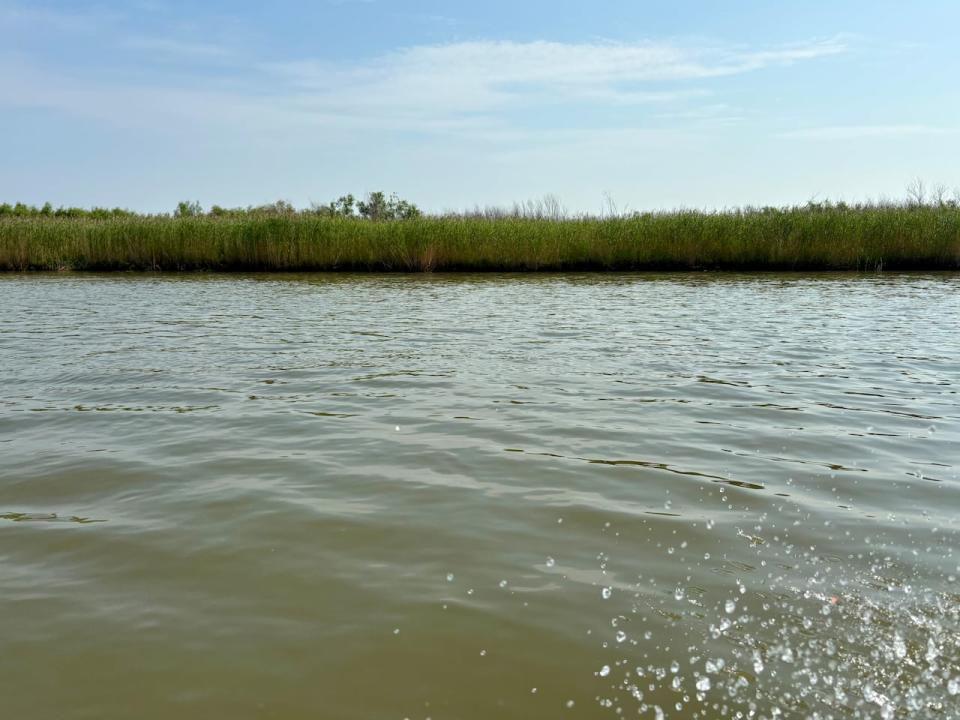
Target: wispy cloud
<point>856,132</point>
<point>466,87</point>
<point>29,17</point>
<point>486,76</point>
<point>713,114</point>
<point>174,48</point>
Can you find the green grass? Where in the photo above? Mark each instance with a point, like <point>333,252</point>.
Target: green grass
<point>814,237</point>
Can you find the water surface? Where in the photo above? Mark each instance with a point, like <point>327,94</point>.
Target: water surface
<point>690,496</point>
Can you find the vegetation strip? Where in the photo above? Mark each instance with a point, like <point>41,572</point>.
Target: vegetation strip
<point>388,234</point>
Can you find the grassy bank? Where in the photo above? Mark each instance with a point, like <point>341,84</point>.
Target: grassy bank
<point>813,237</point>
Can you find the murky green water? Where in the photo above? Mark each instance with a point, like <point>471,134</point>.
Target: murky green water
<point>479,497</point>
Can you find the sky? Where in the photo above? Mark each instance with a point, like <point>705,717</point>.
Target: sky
<point>623,105</point>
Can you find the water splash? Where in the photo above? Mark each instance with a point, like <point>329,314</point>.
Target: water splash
<point>880,642</point>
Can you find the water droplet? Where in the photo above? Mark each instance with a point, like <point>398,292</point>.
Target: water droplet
<point>953,686</point>
<point>503,583</point>
<point>899,647</point>
<point>396,631</point>
<point>551,562</point>
<point>715,666</point>
<point>449,577</point>
<point>730,606</point>
<point>570,703</point>
<point>703,684</point>
<point>606,593</point>
<point>604,671</point>
<point>621,636</point>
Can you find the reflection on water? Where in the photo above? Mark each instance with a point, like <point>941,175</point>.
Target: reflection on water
<point>692,496</point>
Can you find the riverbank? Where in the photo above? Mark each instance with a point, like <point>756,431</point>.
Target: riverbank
<point>813,237</point>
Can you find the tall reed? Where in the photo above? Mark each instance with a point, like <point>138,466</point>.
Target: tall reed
<point>814,237</point>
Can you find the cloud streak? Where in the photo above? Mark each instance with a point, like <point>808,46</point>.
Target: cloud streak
<point>462,89</point>
<point>174,48</point>
<point>485,75</point>
<point>858,132</point>
<point>27,18</point>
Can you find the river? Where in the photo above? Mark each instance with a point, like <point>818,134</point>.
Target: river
<point>479,496</point>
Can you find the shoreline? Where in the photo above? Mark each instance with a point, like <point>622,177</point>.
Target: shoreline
<point>804,239</point>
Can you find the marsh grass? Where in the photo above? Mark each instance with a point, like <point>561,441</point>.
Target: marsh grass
<point>812,237</point>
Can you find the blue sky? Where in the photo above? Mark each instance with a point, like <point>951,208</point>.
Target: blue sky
<point>650,104</point>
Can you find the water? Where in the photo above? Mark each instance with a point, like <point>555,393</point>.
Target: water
<point>691,496</point>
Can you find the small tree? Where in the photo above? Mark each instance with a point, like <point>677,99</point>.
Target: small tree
<point>916,193</point>
<point>378,206</point>
<point>402,209</point>
<point>282,207</point>
<point>939,194</point>
<point>185,208</point>
<point>374,207</point>
<point>344,206</point>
